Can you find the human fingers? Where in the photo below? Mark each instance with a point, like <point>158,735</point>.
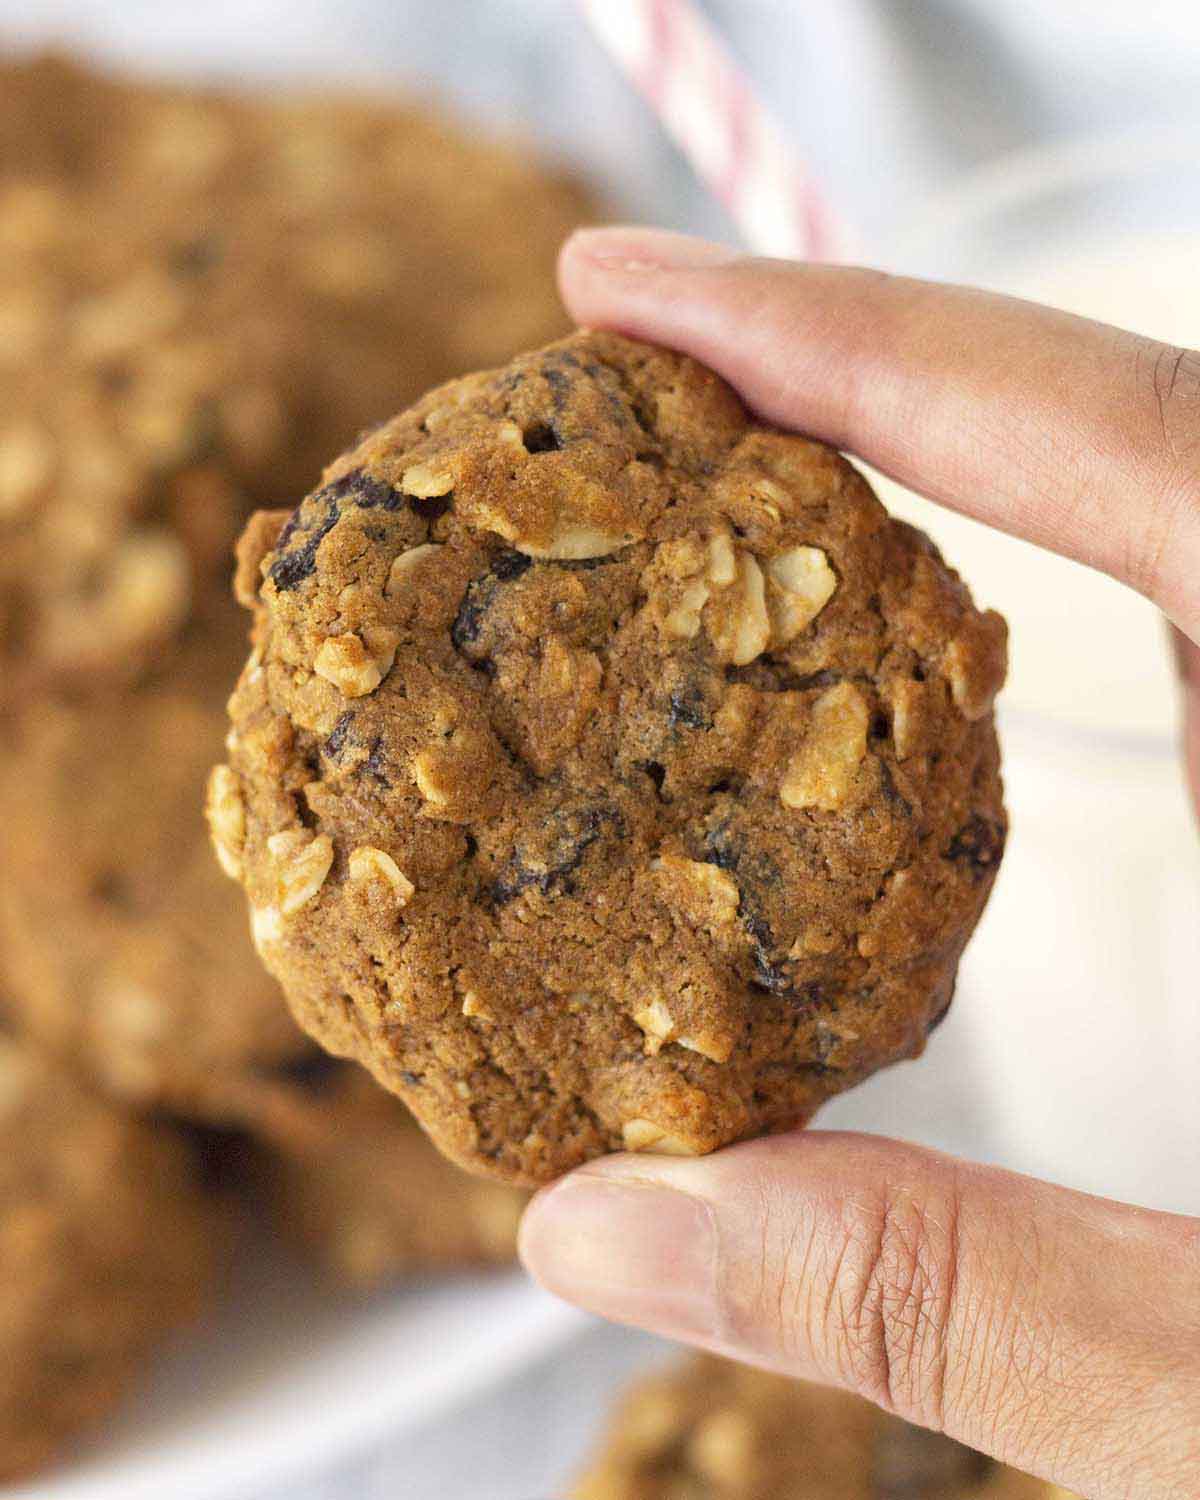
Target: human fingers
<point>1081,437</point>
<point>1058,1332</point>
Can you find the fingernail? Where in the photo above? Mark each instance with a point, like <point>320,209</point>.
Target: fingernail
<point>629,248</point>
<point>630,1250</point>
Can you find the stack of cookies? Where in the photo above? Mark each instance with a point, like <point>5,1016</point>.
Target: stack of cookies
<point>202,298</point>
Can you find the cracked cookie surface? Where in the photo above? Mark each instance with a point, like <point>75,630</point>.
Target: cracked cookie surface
<point>711,1430</point>
<point>609,770</point>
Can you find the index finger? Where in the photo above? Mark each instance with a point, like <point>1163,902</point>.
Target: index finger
<point>1079,436</point>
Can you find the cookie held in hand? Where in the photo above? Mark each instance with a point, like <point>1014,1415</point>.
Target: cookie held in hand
<point>609,771</point>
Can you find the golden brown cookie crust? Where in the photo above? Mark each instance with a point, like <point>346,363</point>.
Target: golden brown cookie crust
<point>106,1246</point>
<point>711,1430</point>
<point>609,769</point>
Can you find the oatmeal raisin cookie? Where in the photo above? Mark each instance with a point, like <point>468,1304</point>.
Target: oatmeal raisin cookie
<point>609,769</point>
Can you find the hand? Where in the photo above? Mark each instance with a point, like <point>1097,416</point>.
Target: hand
<point>1057,1332</point>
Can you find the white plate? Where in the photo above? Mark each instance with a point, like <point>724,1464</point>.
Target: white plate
<point>284,1382</point>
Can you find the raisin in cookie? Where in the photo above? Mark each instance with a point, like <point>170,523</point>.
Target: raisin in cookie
<point>353,1180</point>
<point>710,1430</point>
<point>106,1245</point>
<point>609,769</point>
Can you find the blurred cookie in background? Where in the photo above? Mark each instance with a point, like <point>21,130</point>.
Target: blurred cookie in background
<point>350,1178</point>
<point>107,1244</point>
<point>708,1429</point>
<point>58,120</point>
<point>126,952</point>
<point>144,398</point>
<point>202,297</point>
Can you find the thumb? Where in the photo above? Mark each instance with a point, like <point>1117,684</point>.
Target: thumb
<point>1057,1332</point>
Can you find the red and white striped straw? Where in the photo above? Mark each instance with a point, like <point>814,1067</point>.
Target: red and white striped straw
<point>711,110</point>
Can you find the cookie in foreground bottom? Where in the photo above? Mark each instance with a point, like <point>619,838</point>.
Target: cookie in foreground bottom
<point>609,770</point>
<point>711,1430</point>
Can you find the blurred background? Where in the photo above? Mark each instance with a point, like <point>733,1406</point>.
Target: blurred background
<point>202,298</point>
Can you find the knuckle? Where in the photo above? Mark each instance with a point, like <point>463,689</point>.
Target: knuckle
<point>1174,379</point>
<point>1167,380</point>
<point>894,1305</point>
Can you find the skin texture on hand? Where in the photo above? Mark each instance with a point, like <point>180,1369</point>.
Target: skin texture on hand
<point>1057,1332</point>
